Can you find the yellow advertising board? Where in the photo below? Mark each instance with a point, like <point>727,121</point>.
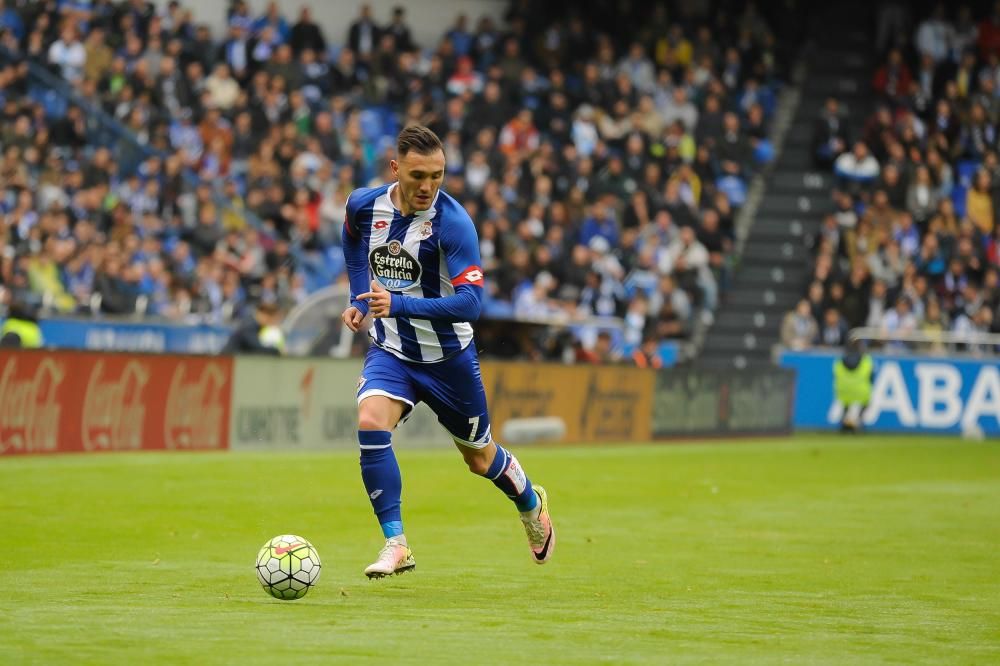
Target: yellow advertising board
<point>596,403</point>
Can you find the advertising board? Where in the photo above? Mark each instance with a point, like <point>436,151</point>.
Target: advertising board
<point>102,335</point>
<point>597,403</point>
<point>56,402</point>
<point>290,403</point>
<point>909,393</point>
<point>706,401</point>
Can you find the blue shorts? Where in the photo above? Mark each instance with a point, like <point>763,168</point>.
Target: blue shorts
<point>452,388</point>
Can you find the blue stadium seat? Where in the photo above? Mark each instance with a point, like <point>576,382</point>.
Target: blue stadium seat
<point>390,124</point>
<point>54,104</point>
<point>371,125</point>
<point>958,198</point>
<point>964,171</point>
<point>734,188</point>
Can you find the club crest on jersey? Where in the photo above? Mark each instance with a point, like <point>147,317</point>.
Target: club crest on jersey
<point>426,229</point>
<point>394,267</point>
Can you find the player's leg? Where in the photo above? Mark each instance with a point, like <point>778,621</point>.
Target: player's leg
<point>454,390</point>
<point>385,396</point>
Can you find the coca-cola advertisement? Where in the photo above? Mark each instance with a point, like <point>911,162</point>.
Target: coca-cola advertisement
<point>56,402</point>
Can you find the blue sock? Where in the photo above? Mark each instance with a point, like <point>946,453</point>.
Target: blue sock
<point>506,474</point>
<point>380,472</point>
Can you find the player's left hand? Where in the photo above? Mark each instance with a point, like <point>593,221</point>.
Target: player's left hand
<point>379,300</point>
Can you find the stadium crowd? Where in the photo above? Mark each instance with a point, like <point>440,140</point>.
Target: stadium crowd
<point>913,242</point>
<point>603,170</point>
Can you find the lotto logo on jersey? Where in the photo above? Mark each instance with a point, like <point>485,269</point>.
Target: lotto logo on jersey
<point>471,275</point>
<point>394,267</point>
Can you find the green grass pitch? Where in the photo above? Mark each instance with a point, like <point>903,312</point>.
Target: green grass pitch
<point>805,550</point>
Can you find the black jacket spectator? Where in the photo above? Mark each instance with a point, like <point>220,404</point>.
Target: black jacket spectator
<point>307,35</point>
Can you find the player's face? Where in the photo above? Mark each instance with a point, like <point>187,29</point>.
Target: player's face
<point>419,177</point>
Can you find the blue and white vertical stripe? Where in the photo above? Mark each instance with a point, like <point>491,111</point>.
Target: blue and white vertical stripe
<point>413,339</point>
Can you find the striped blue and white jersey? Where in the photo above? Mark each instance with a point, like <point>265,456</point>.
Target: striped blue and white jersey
<point>430,263</point>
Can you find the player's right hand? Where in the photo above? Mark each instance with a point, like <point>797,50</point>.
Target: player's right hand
<point>352,318</point>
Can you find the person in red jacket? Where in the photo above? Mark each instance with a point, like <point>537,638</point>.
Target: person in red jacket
<point>893,78</point>
<point>989,34</point>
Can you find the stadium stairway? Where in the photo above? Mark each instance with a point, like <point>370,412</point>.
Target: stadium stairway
<point>774,245</point>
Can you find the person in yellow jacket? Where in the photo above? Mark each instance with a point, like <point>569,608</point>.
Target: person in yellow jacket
<point>21,329</point>
<point>979,203</point>
<point>852,385</point>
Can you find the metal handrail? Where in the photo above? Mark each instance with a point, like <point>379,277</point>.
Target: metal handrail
<point>944,337</point>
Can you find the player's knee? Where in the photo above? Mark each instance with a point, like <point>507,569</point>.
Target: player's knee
<point>370,420</point>
<point>478,463</point>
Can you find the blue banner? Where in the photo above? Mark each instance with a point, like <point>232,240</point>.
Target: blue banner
<point>909,394</point>
<point>97,334</point>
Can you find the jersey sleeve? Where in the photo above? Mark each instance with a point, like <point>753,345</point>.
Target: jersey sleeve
<point>460,245</point>
<point>355,256</point>
<point>351,225</point>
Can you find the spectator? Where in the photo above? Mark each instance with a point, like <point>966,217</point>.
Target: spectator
<point>398,29</point>
<point>460,37</point>
<point>691,263</point>
<point>888,263</point>
<point>935,36</point>
<point>638,67</point>
<point>933,325</point>
<point>921,197</point>
<point>974,324</point>
<point>798,328</point>
<point>893,78</point>
<point>363,35</point>
<point>647,354</point>
<point>117,297</point>
<point>257,335</point>
<point>877,305</point>
<point>829,134</point>
<point>979,203</point>
<point>465,79</point>
<point>899,321</point>
<point>265,136</point>
<point>519,136</point>
<point>306,35</point>
<point>68,55</point>
<point>857,166</point>
<point>833,332</point>
<point>223,91</point>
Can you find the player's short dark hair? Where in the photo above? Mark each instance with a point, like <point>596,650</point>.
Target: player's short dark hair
<point>418,139</point>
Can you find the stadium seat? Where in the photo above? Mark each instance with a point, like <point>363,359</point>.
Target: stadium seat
<point>958,198</point>
<point>964,171</point>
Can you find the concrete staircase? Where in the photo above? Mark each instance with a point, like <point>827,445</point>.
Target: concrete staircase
<point>775,261</point>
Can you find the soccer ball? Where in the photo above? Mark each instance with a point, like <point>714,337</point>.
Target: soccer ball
<point>287,566</point>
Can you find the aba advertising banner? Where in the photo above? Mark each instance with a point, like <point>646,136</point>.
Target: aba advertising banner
<point>57,402</point>
<point>909,394</point>
<point>291,403</point>
<point>596,403</point>
<point>98,335</point>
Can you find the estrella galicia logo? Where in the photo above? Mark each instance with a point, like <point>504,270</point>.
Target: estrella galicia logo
<point>394,267</point>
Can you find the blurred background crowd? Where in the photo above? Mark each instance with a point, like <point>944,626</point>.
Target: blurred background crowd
<point>912,243</point>
<point>603,169</point>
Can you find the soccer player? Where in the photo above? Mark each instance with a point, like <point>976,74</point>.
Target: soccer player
<point>413,260</point>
